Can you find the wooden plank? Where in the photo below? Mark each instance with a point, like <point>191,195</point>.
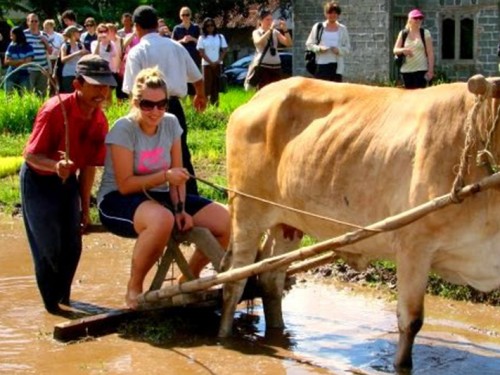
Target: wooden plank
<point>108,322</point>
<point>95,325</point>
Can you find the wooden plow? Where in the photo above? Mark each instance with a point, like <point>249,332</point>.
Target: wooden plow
<point>201,291</point>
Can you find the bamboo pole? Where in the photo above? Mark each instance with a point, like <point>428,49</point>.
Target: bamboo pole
<point>387,224</point>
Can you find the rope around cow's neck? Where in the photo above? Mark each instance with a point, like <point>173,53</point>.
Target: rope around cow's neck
<point>471,136</point>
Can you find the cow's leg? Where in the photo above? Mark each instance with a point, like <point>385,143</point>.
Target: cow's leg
<point>412,274</point>
<point>243,251</point>
<point>272,283</point>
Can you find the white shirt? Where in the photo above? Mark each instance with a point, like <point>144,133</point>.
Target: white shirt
<point>109,56</point>
<point>55,40</point>
<point>172,59</point>
<point>211,45</point>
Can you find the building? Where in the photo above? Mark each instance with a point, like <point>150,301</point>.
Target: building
<point>465,35</point>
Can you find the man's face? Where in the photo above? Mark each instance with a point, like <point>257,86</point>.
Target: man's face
<point>127,22</point>
<point>91,95</point>
<point>32,21</point>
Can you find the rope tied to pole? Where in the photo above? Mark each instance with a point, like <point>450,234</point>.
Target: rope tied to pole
<point>484,157</point>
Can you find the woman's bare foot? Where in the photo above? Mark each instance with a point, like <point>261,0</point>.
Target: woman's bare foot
<point>131,299</point>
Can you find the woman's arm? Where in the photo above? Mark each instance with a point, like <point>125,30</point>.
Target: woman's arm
<point>430,56</point>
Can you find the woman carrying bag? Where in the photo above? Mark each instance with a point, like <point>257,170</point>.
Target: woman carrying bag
<point>266,38</point>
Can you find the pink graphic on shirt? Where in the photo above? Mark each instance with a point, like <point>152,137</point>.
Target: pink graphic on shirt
<point>151,161</point>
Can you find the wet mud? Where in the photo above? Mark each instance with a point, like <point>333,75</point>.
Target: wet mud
<point>332,328</point>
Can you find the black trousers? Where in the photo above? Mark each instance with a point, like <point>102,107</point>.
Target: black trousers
<point>175,108</point>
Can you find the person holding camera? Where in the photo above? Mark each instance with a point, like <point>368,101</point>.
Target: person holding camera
<point>266,38</point>
<point>330,41</point>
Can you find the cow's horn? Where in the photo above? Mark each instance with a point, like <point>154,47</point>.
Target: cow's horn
<point>477,84</point>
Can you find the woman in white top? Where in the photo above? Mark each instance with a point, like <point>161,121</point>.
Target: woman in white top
<point>330,41</point>
<point>212,47</point>
<point>418,66</point>
<point>266,38</point>
<point>104,47</point>
<point>71,52</point>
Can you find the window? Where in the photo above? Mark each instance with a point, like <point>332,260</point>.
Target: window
<point>457,37</point>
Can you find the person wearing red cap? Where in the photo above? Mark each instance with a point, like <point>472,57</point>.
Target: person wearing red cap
<point>55,190</point>
<point>415,44</point>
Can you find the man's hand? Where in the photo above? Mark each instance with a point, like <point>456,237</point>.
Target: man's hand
<point>64,168</point>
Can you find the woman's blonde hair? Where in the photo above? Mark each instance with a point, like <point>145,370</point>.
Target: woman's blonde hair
<point>149,78</point>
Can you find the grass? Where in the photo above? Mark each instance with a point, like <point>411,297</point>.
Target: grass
<point>10,165</point>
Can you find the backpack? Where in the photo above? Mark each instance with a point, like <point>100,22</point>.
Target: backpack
<point>59,64</point>
<point>310,56</point>
<point>400,58</point>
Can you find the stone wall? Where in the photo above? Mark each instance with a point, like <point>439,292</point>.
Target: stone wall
<point>373,26</point>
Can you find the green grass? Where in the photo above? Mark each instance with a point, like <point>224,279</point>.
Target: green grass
<point>10,165</point>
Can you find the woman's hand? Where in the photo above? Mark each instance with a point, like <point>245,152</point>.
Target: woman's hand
<point>177,176</point>
<point>184,221</point>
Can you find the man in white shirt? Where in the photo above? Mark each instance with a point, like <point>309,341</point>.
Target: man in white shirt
<point>178,68</point>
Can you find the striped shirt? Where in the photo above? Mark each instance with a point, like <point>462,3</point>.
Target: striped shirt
<point>40,54</point>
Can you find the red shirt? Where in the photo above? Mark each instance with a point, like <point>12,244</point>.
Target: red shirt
<point>86,136</point>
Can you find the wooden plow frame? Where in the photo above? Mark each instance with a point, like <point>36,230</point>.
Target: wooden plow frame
<point>201,292</point>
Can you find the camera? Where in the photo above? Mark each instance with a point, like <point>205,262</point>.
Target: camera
<point>272,51</point>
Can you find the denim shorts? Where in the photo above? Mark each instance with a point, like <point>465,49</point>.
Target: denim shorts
<point>116,210</point>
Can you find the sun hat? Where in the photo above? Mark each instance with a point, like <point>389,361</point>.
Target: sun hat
<point>95,70</point>
<point>415,13</point>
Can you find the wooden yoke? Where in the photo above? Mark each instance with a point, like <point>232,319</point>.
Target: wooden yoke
<point>479,85</point>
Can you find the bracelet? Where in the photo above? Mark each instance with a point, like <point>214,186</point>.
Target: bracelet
<point>179,207</point>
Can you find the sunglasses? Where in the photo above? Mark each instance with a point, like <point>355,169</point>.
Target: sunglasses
<point>89,25</point>
<point>418,18</point>
<point>149,105</point>
<point>210,25</point>
<point>185,15</point>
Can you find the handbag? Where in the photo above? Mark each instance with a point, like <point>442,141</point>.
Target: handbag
<point>254,73</point>
<point>399,60</point>
<point>310,56</point>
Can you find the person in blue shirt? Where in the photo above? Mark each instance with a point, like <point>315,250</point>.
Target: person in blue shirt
<point>18,52</point>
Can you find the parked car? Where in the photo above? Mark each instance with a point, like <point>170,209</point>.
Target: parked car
<point>237,71</point>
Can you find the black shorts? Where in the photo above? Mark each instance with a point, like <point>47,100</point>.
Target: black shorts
<point>116,210</point>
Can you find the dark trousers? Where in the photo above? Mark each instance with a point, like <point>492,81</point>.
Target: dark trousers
<point>328,72</point>
<point>211,78</point>
<point>175,108</point>
<point>414,80</point>
<point>51,213</point>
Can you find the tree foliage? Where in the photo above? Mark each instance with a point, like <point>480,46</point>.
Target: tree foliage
<point>111,10</point>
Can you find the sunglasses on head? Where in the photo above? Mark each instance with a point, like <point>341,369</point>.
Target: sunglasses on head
<point>149,105</point>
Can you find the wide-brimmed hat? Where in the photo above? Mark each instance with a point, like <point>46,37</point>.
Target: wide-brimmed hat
<point>95,70</point>
<point>415,13</point>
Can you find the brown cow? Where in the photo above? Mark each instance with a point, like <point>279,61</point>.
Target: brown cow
<point>359,154</point>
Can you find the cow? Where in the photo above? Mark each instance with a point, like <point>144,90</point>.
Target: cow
<point>358,154</point>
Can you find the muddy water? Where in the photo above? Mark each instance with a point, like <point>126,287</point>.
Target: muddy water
<point>331,329</point>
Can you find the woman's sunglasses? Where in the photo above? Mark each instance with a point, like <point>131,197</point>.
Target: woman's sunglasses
<point>149,105</point>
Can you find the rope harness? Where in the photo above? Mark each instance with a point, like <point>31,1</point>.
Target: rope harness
<point>484,157</point>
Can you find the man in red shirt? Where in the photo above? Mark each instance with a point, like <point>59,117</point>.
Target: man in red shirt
<point>55,190</point>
